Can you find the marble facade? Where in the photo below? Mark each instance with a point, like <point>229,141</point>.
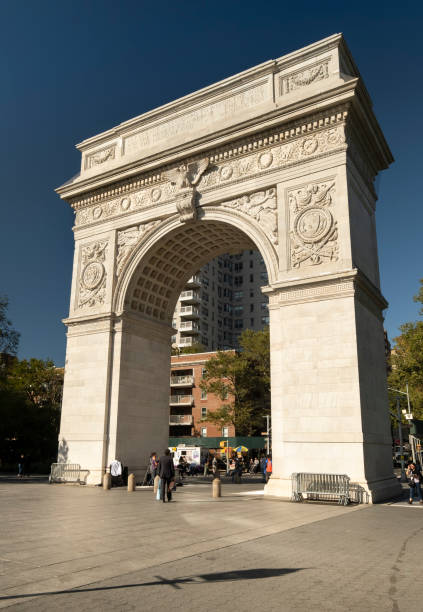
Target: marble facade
<point>282,158</point>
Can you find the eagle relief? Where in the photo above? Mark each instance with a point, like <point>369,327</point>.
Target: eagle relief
<point>313,230</point>
<point>186,178</point>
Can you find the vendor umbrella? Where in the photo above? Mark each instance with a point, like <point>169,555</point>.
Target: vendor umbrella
<point>241,449</point>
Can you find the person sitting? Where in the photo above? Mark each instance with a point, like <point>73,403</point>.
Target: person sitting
<point>116,473</point>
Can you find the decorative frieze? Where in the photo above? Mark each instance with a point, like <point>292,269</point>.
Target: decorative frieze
<point>313,229</point>
<point>269,152</point>
<point>262,206</point>
<point>92,282</point>
<point>304,77</point>
<point>339,287</point>
<point>128,239</point>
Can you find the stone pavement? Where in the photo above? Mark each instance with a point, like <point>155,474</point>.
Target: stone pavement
<point>87,549</point>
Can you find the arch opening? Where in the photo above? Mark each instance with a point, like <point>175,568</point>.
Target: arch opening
<point>153,281</point>
<point>159,274</point>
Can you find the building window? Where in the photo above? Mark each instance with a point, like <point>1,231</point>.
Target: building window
<point>238,295</point>
<point>251,263</point>
<point>238,267</point>
<point>204,432</point>
<point>238,324</point>
<point>238,310</point>
<point>251,307</point>
<point>203,412</point>
<point>251,278</point>
<point>238,280</point>
<point>252,322</point>
<point>263,277</point>
<point>264,306</point>
<point>203,394</point>
<point>251,293</point>
<point>265,320</point>
<point>203,372</point>
<point>225,432</point>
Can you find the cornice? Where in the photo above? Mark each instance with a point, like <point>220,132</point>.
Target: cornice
<point>312,124</point>
<point>211,91</point>
<point>280,115</point>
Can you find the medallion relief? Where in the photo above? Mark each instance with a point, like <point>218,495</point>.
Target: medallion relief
<point>92,282</point>
<point>313,229</point>
<point>262,206</point>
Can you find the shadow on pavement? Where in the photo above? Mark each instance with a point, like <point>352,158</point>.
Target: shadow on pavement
<point>232,576</point>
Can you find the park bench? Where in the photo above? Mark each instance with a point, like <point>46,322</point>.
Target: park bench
<point>321,487</point>
<point>65,472</point>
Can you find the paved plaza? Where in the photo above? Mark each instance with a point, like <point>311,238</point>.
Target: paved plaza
<point>75,548</point>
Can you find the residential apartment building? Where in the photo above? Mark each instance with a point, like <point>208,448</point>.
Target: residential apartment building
<point>189,404</point>
<point>222,300</point>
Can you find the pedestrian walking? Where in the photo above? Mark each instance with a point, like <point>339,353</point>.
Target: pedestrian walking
<point>215,467</point>
<point>268,468</point>
<point>152,468</point>
<point>182,468</point>
<point>167,475</point>
<point>414,476</point>
<point>263,461</point>
<point>21,463</point>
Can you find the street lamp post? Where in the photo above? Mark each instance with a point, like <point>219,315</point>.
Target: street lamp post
<point>403,478</point>
<point>398,416</point>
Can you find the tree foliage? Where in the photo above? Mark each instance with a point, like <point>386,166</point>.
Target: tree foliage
<point>407,360</point>
<point>192,348</point>
<point>242,380</point>
<point>9,337</point>
<point>30,399</point>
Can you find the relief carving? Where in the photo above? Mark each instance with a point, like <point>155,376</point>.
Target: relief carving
<point>313,230</point>
<point>99,157</point>
<point>262,206</point>
<point>185,178</point>
<point>92,282</point>
<point>302,78</point>
<point>182,182</point>
<point>128,239</point>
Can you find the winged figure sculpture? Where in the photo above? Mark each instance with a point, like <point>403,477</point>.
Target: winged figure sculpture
<point>187,175</point>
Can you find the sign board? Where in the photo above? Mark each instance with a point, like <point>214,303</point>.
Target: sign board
<point>408,416</point>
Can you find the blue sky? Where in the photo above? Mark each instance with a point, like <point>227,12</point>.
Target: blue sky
<point>73,69</point>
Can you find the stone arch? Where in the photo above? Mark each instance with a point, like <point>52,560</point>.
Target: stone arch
<point>156,271</point>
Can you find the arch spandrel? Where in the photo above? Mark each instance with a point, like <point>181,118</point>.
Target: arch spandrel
<point>153,270</point>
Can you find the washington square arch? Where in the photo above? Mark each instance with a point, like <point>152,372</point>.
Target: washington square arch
<point>281,158</point>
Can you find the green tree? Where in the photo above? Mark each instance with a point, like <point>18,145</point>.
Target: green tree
<point>9,337</point>
<point>30,399</point>
<point>242,380</point>
<point>407,360</point>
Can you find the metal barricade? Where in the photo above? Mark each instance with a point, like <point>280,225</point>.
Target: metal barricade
<point>357,494</point>
<point>320,486</point>
<point>65,472</point>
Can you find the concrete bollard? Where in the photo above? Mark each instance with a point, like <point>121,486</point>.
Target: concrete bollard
<point>131,483</point>
<point>217,487</point>
<point>107,481</point>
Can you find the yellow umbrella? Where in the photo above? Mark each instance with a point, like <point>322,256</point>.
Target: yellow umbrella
<point>241,449</point>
